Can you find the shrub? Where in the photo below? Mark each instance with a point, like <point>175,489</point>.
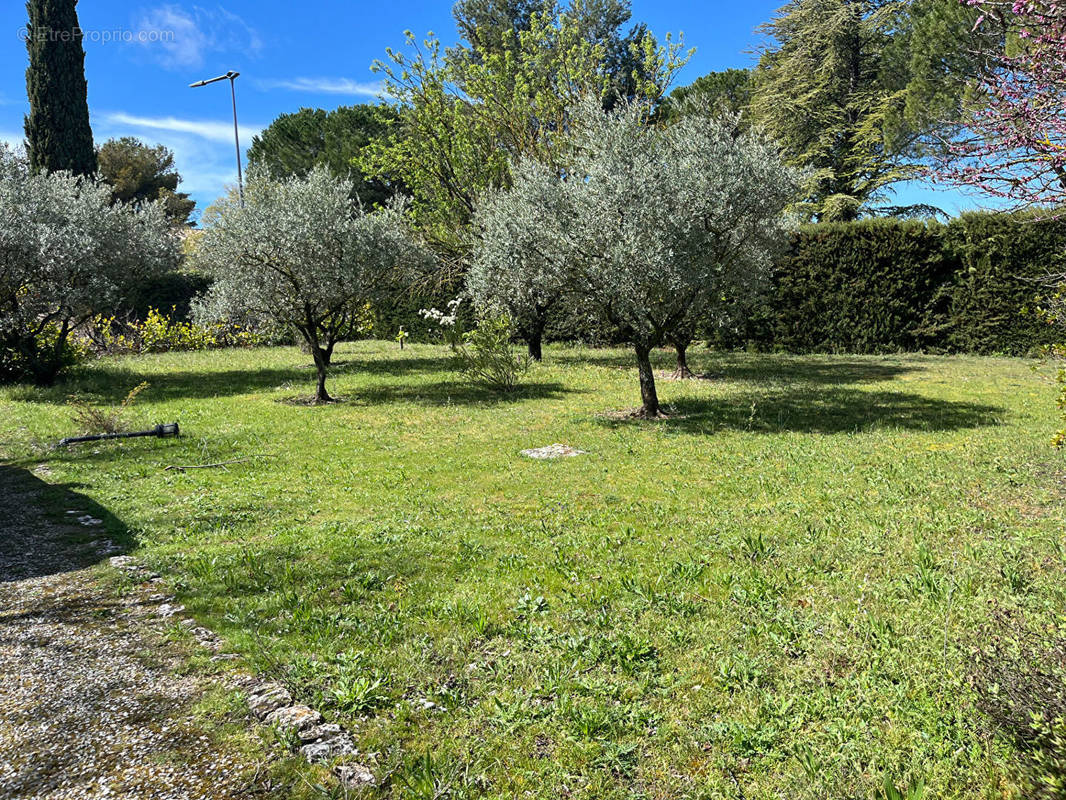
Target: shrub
<point>861,287</point>
<point>38,356</point>
<point>889,285</point>
<point>485,355</point>
<point>176,290</point>
<point>1004,261</point>
<point>161,333</point>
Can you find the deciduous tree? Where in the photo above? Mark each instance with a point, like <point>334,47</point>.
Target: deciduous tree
<point>502,95</point>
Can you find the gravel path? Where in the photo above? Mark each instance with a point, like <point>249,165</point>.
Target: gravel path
<point>90,706</point>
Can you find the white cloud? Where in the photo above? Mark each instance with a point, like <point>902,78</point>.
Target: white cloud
<point>203,129</point>
<point>343,86</point>
<point>203,151</point>
<point>182,37</point>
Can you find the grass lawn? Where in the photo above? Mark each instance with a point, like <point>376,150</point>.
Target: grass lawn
<point>777,592</point>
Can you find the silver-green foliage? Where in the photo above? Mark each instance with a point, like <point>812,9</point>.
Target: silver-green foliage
<point>521,267</point>
<point>651,225</point>
<point>302,254</point>
<point>66,254</point>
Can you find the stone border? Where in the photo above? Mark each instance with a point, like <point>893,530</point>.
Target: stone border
<point>269,702</point>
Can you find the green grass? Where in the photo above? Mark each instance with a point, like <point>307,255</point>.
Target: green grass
<point>775,593</point>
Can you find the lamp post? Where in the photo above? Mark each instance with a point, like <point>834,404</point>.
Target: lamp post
<point>231,76</point>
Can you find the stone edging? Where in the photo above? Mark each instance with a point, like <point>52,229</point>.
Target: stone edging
<point>270,703</point>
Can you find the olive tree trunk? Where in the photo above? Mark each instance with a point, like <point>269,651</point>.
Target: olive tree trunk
<point>682,372</point>
<point>534,336</point>
<point>650,408</point>
<point>321,365</point>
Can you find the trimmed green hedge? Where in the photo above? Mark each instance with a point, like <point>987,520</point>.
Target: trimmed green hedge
<point>885,285</point>
<point>1004,261</point>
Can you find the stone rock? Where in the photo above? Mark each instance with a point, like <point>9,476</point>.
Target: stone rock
<point>225,657</point>
<point>268,697</point>
<point>205,636</point>
<point>352,776</point>
<point>553,451</point>
<point>320,732</point>
<point>340,745</point>
<point>89,521</point>
<point>296,717</point>
<point>166,611</point>
<point>121,562</point>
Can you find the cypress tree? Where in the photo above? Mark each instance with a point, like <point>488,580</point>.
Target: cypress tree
<point>58,136</point>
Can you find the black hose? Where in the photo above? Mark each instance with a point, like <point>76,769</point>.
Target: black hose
<point>162,431</point>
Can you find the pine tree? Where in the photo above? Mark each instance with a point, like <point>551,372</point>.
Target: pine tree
<point>856,90</point>
<point>58,136</point>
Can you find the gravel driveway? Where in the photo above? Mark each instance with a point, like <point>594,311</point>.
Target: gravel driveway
<point>90,706</point>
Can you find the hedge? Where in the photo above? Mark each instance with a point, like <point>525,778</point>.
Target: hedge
<point>883,285</point>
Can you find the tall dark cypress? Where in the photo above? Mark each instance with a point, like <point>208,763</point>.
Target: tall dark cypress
<point>58,136</point>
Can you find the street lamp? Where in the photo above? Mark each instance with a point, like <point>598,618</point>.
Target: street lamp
<point>231,76</point>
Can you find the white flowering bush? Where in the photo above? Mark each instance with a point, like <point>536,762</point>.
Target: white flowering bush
<point>301,254</point>
<point>651,226</point>
<point>447,322</point>
<point>483,355</point>
<point>66,255</point>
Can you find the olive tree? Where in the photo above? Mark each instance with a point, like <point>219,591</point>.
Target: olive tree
<point>518,269</point>
<point>670,221</point>
<point>656,225</point>
<point>302,254</point>
<point>66,255</point>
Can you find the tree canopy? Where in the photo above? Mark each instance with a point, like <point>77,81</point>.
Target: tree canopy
<point>301,253</point>
<point>294,144</point>
<point>501,94</point>
<point>728,91</point>
<point>649,224</point>
<point>58,136</point>
<point>139,174</point>
<point>856,88</point>
<point>66,254</point>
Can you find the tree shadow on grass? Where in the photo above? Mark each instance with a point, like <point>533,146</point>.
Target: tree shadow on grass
<point>39,537</point>
<point>823,411</point>
<point>811,370</point>
<point>446,393</point>
<point>109,383</point>
<point>763,368</point>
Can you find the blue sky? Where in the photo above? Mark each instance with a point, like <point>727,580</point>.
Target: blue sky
<point>141,57</point>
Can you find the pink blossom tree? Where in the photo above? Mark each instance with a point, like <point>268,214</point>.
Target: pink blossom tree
<point>1014,146</point>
